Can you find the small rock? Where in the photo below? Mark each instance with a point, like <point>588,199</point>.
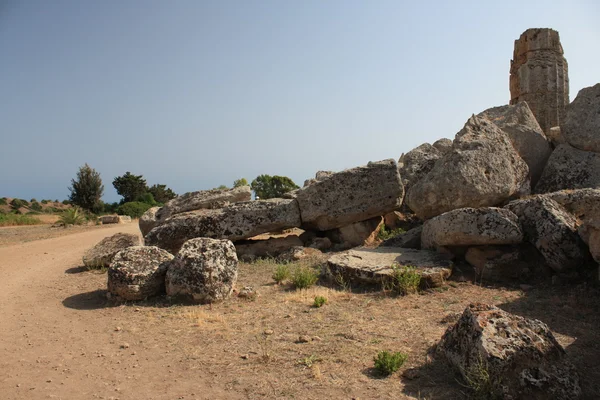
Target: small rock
<point>316,338</point>
<point>244,356</point>
<point>117,329</point>
<point>303,339</point>
<point>268,331</point>
<point>125,346</point>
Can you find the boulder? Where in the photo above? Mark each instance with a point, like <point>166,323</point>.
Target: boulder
<point>320,243</point>
<point>472,226</point>
<point>515,357</point>
<point>205,270</point>
<point>401,220</point>
<point>234,222</point>
<point>138,272</point>
<point>520,125</point>
<point>148,220</point>
<point>248,250</point>
<point>417,163</point>
<point>584,204</point>
<point>124,219</point>
<point>506,263</point>
<point>299,253</point>
<point>443,145</point>
<point>482,169</point>
<point>581,128</point>
<point>204,199</point>
<point>410,239</point>
<point>590,234</point>
<point>375,266</point>
<point>570,168</point>
<point>102,254</point>
<point>350,196</point>
<point>356,234</point>
<point>553,231</point>
<point>108,219</point>
<point>555,136</point>
<point>319,176</point>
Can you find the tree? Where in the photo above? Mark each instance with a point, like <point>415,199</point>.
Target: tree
<point>162,193</point>
<point>221,187</point>
<point>240,182</point>
<point>86,189</point>
<point>130,186</point>
<point>268,187</point>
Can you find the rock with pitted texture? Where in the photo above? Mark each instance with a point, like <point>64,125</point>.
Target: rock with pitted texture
<point>353,195</point>
<point>514,263</point>
<point>356,234</point>
<point>108,219</point>
<point>249,250</point>
<point>138,272</point>
<point>234,222</point>
<point>519,358</point>
<point>519,123</point>
<point>581,129</point>
<point>443,145</point>
<point>102,254</point>
<point>148,220</point>
<point>204,271</point>
<point>471,226</point>
<point>410,239</point>
<point>584,204</point>
<point>570,168</point>
<point>553,231</point>
<point>482,169</point>
<point>539,75</point>
<point>590,233</point>
<point>417,163</point>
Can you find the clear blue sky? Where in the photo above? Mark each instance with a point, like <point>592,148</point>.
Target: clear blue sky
<point>194,94</point>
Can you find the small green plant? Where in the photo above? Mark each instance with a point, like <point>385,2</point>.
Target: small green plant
<point>387,363</point>
<point>405,279</point>
<point>72,216</point>
<point>304,277</point>
<point>483,385</point>
<point>281,274</point>
<point>134,209</point>
<point>309,361</point>
<point>384,233</point>
<point>320,301</point>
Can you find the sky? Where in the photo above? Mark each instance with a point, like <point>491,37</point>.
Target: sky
<point>195,94</point>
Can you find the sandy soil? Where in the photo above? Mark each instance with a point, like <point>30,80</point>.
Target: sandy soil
<point>61,338</point>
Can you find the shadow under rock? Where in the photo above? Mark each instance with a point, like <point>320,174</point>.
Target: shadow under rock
<point>76,270</point>
<point>93,300</point>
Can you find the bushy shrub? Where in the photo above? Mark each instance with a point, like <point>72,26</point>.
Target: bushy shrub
<point>387,363</point>
<point>35,206</point>
<point>134,209</point>
<point>3,201</point>
<point>320,301</point>
<point>147,198</point>
<point>406,279</point>
<point>281,273</point>
<point>15,204</point>
<point>14,219</point>
<point>385,234</point>
<point>304,277</point>
<point>72,216</point>
<point>44,201</point>
<point>65,202</point>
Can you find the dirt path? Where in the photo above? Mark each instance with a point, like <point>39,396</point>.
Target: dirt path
<point>50,348</point>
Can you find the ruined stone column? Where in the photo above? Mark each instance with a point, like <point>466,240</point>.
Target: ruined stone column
<point>539,75</point>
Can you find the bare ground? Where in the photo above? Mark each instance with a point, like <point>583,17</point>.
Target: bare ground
<point>61,338</point>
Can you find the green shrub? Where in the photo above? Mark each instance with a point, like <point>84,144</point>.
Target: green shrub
<point>281,274</point>
<point>3,201</point>
<point>387,363</point>
<point>134,209</point>
<point>35,206</point>
<point>385,234</point>
<point>72,216</point>
<point>65,202</point>
<point>15,219</point>
<point>405,280</point>
<point>320,301</point>
<point>15,204</point>
<point>44,201</point>
<point>304,277</point>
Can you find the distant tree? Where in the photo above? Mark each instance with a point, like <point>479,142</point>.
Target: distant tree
<point>222,187</point>
<point>162,193</point>
<point>268,187</point>
<point>240,182</point>
<point>86,189</point>
<point>134,209</point>
<point>15,204</point>
<point>130,186</point>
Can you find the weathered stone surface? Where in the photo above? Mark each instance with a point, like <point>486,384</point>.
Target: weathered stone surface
<point>102,254</point>
<point>553,231</point>
<point>582,125</point>
<point>374,266</point>
<point>515,263</point>
<point>109,219</point>
<point>248,250</point>
<point>319,176</point>
<point>138,272</point>
<point>570,168</point>
<point>203,199</point>
<point>402,220</point>
<point>356,234</point>
<point>204,270</point>
<point>584,204</point>
<point>320,243</point>
<point>520,355</point>
<point>410,239</point>
<point>470,227</point>
<point>482,169</point>
<point>350,196</point>
<point>519,123</point>
<point>234,222</point>
<point>124,219</point>
<point>148,221</point>
<point>299,253</point>
<point>555,136</point>
<point>590,234</point>
<point>539,75</point>
<point>417,163</point>
<point>443,145</point>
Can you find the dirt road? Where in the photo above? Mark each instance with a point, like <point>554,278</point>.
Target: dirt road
<point>55,345</point>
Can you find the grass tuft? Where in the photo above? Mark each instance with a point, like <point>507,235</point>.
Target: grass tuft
<point>387,363</point>
<point>320,301</point>
<point>304,277</point>
<point>385,234</point>
<point>18,219</point>
<point>405,279</point>
<point>281,273</point>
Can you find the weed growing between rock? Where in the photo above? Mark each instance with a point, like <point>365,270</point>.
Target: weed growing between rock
<point>405,280</point>
<point>385,234</point>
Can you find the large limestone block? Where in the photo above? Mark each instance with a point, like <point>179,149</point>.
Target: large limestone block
<point>410,239</point>
<point>584,204</point>
<point>553,231</point>
<point>204,199</point>
<point>482,169</point>
<point>108,219</point>
<point>374,266</point>
<point>417,163</point>
<point>519,123</point>
<point>350,196</point>
<point>205,270</point>
<point>148,220</point>
<point>470,227</point>
<point>234,222</point>
<point>520,356</point>
<point>248,250</point>
<point>570,168</point>
<point>102,254</point>
<point>356,234</point>
<point>582,125</point>
<point>138,272</point>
